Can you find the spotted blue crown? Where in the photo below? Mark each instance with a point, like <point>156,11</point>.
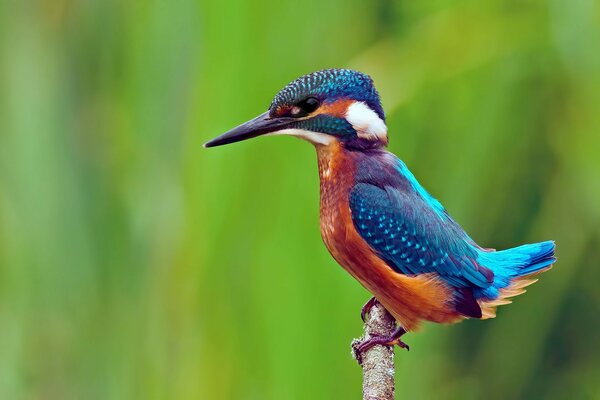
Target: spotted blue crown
<point>329,85</point>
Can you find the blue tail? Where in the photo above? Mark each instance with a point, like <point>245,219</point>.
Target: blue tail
<point>513,263</point>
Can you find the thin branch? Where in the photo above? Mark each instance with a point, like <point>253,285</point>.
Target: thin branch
<point>378,362</point>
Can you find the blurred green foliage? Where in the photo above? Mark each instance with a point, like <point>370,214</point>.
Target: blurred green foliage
<point>136,264</point>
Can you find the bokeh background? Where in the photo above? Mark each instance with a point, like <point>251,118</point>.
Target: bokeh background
<point>134,264</point>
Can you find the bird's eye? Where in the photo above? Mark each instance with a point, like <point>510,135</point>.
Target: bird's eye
<point>305,107</point>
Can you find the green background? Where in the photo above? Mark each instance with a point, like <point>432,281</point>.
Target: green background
<point>136,264</point>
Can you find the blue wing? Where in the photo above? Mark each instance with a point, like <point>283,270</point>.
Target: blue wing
<point>414,234</point>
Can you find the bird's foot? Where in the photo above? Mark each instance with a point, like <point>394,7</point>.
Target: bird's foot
<point>360,347</point>
<point>367,308</point>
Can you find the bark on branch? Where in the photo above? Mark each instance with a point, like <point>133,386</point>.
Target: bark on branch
<point>378,362</point>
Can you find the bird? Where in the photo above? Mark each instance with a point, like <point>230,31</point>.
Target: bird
<point>377,220</point>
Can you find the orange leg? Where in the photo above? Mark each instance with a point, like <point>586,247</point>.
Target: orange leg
<point>391,340</point>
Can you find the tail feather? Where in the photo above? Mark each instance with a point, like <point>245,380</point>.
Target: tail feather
<point>513,270</point>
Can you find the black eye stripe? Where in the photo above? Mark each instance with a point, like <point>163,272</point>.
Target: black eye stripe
<point>305,107</point>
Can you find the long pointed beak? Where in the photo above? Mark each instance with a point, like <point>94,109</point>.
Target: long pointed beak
<point>260,125</point>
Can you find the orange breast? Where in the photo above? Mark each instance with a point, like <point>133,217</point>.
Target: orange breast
<point>409,299</point>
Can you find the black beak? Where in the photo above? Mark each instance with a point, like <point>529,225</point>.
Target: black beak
<point>260,125</point>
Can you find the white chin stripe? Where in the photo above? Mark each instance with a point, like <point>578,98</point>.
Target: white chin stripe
<point>313,137</point>
<point>366,122</point>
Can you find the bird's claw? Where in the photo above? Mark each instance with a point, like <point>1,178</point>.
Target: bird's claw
<point>360,347</point>
<point>367,308</point>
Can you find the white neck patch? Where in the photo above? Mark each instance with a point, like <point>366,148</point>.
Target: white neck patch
<point>313,137</point>
<point>366,122</point>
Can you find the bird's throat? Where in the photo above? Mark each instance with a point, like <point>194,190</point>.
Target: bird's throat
<point>329,157</point>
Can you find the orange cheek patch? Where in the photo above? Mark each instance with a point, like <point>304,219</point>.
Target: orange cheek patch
<point>337,109</point>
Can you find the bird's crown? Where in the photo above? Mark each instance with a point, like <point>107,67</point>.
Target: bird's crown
<point>329,85</point>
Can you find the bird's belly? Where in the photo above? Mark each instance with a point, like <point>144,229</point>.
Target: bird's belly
<point>409,299</point>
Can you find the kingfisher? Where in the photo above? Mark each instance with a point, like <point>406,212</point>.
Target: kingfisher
<point>378,222</point>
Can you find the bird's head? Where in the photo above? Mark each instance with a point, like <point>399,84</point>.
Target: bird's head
<point>323,107</point>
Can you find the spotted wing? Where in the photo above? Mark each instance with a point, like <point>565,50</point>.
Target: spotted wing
<point>414,238</point>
